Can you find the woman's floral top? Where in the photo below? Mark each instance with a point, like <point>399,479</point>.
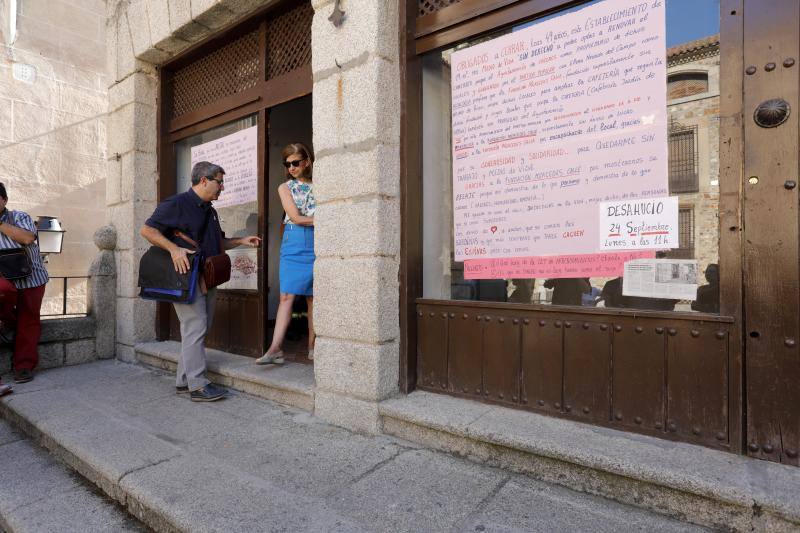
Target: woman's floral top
<point>303,196</point>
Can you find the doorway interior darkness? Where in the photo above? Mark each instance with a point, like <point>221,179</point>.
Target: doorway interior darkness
<point>289,122</point>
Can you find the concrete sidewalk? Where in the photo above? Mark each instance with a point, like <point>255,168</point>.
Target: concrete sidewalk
<point>40,494</point>
<point>246,464</point>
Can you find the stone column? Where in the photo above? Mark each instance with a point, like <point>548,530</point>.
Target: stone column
<point>102,297</point>
<point>356,179</point>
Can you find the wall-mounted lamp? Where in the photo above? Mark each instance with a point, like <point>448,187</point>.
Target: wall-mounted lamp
<point>50,234</point>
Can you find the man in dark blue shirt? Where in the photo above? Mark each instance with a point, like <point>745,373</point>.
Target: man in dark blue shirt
<point>191,213</point>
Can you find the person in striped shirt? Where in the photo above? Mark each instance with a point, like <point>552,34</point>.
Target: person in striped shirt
<point>21,299</point>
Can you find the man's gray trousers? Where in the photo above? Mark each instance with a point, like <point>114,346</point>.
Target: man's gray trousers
<point>195,319</point>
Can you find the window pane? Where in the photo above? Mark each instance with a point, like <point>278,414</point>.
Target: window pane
<point>236,220</point>
<point>692,85</point>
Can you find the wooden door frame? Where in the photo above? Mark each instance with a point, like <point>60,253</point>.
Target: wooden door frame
<point>256,100</point>
<point>470,18</point>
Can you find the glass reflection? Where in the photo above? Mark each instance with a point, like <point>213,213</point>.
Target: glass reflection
<point>693,96</point>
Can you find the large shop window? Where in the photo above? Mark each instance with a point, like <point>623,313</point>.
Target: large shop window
<point>234,146</point>
<point>513,175</point>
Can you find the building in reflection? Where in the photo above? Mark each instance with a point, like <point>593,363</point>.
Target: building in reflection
<point>693,106</point>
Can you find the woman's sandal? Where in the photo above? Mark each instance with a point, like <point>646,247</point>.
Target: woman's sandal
<point>310,354</point>
<point>271,359</point>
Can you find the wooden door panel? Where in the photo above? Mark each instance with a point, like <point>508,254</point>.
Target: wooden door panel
<point>218,335</point>
<point>243,324</point>
<point>639,379</point>
<point>542,365</point>
<point>432,349</point>
<point>587,369</point>
<point>501,352</point>
<point>465,355</point>
<point>771,268</point>
<point>697,393</point>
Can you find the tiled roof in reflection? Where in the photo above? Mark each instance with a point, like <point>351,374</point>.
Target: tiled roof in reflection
<point>704,45</point>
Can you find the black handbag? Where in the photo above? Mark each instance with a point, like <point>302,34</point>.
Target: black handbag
<point>15,263</point>
<point>159,281</point>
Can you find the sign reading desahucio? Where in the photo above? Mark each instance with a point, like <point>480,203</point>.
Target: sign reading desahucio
<point>553,120</point>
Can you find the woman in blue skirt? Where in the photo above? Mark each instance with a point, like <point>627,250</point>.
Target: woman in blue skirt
<point>297,248</point>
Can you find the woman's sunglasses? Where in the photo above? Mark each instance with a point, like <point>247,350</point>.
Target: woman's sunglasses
<point>294,164</point>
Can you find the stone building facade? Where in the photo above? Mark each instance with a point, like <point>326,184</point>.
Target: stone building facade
<point>356,137</point>
<point>53,100</point>
<point>377,331</point>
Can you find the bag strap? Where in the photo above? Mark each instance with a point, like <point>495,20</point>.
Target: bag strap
<point>219,233</point>
<point>203,228</point>
<point>178,233</point>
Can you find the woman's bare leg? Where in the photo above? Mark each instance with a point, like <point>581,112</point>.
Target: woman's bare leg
<point>282,320</point>
<point>312,337</point>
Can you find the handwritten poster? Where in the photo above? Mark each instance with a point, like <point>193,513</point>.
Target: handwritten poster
<point>551,121</point>
<point>605,265</point>
<point>244,269</point>
<point>237,153</point>
<point>639,224</point>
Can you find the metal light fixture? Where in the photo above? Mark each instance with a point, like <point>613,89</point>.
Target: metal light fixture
<point>50,234</point>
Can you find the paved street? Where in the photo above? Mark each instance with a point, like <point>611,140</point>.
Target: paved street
<point>246,464</point>
<point>40,494</point>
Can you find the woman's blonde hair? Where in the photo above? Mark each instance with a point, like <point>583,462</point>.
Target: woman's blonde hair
<point>302,150</point>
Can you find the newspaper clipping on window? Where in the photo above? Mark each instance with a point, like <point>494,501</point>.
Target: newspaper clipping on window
<point>661,278</point>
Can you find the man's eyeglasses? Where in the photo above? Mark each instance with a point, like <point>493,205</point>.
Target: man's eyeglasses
<point>294,164</point>
<point>221,182</point>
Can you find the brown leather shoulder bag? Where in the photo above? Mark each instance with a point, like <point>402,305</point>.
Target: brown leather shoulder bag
<point>217,268</point>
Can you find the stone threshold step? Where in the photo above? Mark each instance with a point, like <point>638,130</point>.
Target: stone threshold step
<point>691,483</point>
<point>289,384</point>
<point>40,494</point>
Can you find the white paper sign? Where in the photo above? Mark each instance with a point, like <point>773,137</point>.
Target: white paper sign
<point>237,153</point>
<point>639,224</point>
<point>553,119</point>
<point>244,270</point>
<point>675,279</point>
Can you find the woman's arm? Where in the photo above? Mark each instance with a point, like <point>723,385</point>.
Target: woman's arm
<point>291,210</point>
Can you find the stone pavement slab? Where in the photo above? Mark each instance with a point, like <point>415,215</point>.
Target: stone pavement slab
<point>690,482</point>
<point>39,494</point>
<point>247,464</point>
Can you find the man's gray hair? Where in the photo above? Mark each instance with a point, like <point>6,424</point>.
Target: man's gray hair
<point>204,169</point>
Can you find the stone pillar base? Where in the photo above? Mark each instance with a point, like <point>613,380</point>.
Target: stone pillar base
<point>345,411</point>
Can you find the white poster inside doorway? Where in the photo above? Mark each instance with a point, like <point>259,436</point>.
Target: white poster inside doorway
<point>237,153</point>
<point>244,270</point>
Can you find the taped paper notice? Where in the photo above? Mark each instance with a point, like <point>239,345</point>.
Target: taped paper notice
<point>675,279</point>
<point>606,265</point>
<point>551,120</point>
<point>639,224</point>
<point>244,270</point>
<point>237,153</point>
